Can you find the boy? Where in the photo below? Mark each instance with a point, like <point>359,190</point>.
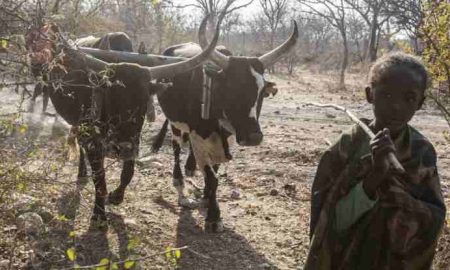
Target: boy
<point>364,215</point>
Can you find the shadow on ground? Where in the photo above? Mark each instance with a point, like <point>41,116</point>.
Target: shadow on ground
<point>90,247</point>
<point>226,250</point>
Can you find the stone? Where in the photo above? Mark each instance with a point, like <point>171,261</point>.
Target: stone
<point>235,194</point>
<point>4,264</point>
<point>45,214</point>
<point>22,202</point>
<point>274,192</point>
<point>30,223</point>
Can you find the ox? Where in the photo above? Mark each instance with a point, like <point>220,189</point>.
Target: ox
<point>110,113</point>
<point>117,41</point>
<point>236,94</point>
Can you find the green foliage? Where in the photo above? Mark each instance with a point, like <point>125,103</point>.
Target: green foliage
<point>3,44</point>
<point>128,264</point>
<point>105,263</point>
<point>62,218</point>
<point>71,254</point>
<point>173,256</point>
<point>435,34</point>
<point>133,243</point>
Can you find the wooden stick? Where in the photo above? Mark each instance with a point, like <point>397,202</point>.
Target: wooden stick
<point>395,164</point>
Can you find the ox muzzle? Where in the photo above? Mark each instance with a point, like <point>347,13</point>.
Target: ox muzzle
<point>249,134</point>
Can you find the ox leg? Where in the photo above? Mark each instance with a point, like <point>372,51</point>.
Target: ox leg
<point>45,98</point>
<point>191,164</point>
<point>82,168</point>
<point>151,111</point>
<point>116,197</point>
<point>36,93</point>
<point>178,181</point>
<point>96,159</point>
<point>213,221</point>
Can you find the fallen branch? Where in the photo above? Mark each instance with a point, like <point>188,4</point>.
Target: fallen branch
<point>395,164</point>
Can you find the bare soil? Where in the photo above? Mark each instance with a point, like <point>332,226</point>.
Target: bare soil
<point>265,228</point>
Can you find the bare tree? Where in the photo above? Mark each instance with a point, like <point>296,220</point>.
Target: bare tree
<point>357,36</point>
<point>408,16</point>
<point>334,12</point>
<point>274,11</point>
<point>374,13</point>
<point>214,7</point>
<point>229,22</point>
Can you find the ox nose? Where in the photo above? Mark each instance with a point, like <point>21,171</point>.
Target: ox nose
<point>254,139</point>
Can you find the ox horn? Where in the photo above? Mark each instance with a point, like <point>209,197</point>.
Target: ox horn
<point>271,57</point>
<point>217,57</point>
<point>156,72</point>
<point>170,70</point>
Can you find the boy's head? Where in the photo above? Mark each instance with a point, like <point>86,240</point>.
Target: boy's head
<point>397,84</point>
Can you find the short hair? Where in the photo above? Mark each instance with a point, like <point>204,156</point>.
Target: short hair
<point>381,69</point>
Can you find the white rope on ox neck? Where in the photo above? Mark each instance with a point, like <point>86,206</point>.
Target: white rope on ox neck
<point>206,96</point>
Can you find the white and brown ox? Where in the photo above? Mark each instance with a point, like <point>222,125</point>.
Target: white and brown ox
<point>206,114</point>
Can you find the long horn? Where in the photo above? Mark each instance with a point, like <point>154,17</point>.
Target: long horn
<point>156,72</point>
<point>171,70</point>
<point>149,60</point>
<point>217,57</point>
<point>271,57</point>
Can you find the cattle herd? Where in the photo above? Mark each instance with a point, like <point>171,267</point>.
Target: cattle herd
<point>209,98</point>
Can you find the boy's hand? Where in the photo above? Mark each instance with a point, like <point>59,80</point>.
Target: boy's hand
<point>380,146</point>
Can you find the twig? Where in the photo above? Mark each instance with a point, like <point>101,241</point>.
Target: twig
<point>199,254</point>
<point>395,164</point>
<point>327,141</point>
<point>125,261</point>
<point>15,83</point>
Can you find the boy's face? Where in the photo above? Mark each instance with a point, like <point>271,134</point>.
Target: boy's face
<point>396,99</point>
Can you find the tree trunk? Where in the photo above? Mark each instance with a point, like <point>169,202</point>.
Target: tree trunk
<point>372,54</point>
<point>344,60</point>
<point>272,41</point>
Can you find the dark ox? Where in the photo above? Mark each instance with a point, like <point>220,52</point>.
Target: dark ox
<point>117,41</point>
<point>237,92</point>
<point>109,116</point>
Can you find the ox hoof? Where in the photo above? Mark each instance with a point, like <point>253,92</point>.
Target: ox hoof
<point>188,203</point>
<point>189,173</point>
<point>214,227</point>
<point>115,198</point>
<point>99,221</point>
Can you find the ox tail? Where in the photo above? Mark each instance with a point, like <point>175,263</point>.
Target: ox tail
<point>159,138</point>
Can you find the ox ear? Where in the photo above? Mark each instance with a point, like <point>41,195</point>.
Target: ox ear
<point>270,89</point>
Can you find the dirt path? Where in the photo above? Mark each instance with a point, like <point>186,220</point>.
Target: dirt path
<point>266,228</point>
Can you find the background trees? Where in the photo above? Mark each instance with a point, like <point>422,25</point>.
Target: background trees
<point>334,35</point>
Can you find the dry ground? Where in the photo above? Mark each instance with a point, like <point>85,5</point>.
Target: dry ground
<point>266,228</point>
